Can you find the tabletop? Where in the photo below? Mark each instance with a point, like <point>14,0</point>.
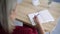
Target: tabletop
<point>26,8</point>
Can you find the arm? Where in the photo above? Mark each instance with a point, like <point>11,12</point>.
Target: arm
<point>39,26</point>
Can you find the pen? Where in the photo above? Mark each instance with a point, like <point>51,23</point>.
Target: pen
<point>37,14</point>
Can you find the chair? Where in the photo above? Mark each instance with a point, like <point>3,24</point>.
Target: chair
<point>57,28</point>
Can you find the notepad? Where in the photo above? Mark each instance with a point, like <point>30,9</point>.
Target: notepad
<point>44,16</point>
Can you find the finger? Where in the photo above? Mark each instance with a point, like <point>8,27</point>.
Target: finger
<point>35,17</point>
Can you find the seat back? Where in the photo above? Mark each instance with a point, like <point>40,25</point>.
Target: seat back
<point>57,28</point>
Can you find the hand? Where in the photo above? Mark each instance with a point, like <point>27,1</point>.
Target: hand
<point>38,25</point>
<point>36,20</point>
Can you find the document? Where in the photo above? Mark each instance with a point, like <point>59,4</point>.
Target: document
<point>44,16</point>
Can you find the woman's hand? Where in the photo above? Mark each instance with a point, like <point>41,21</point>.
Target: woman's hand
<point>38,25</point>
<point>36,20</point>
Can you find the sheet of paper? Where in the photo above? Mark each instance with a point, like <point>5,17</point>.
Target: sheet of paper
<point>44,16</point>
<point>18,23</point>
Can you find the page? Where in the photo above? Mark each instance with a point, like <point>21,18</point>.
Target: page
<point>45,16</point>
<point>31,16</point>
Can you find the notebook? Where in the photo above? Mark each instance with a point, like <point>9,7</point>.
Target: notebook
<point>44,16</point>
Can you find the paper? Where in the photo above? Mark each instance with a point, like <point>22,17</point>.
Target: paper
<point>18,23</point>
<point>44,16</point>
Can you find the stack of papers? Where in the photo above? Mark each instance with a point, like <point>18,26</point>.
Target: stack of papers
<point>44,16</point>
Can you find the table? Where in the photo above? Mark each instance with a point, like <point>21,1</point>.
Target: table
<point>26,8</point>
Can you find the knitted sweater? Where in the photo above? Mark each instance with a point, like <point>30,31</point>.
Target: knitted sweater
<point>25,30</point>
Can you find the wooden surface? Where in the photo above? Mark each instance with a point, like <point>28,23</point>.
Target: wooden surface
<point>26,8</point>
